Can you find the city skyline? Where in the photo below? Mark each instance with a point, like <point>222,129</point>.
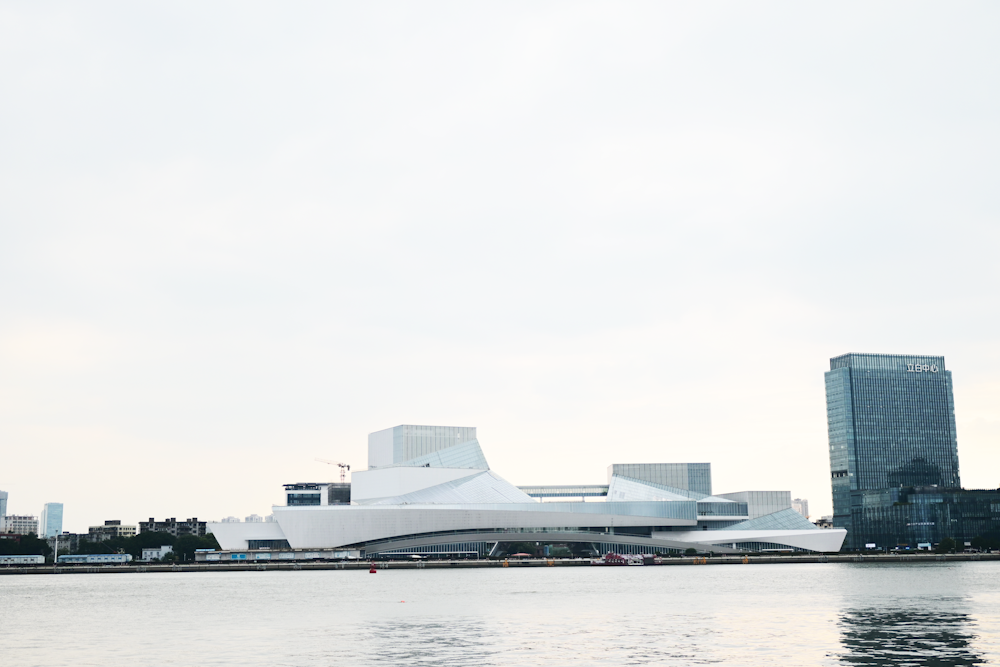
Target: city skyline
<point>640,229</point>
<point>933,362</point>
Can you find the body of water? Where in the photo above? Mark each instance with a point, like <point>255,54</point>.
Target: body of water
<point>938,614</point>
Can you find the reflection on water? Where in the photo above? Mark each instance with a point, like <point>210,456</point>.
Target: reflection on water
<point>903,638</point>
<point>458,642</point>
<point>512,642</point>
<point>761,616</point>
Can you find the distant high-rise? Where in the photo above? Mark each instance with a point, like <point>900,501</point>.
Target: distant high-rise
<point>51,520</point>
<point>801,505</point>
<point>3,505</point>
<point>891,425</point>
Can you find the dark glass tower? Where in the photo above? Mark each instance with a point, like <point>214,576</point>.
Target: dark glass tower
<point>891,424</point>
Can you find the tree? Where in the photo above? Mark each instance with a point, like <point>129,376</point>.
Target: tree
<point>185,546</point>
<point>581,549</point>
<point>988,541</point>
<point>28,545</point>
<point>508,548</point>
<point>946,545</point>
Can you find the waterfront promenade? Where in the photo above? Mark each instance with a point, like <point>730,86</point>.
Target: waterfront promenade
<point>492,563</point>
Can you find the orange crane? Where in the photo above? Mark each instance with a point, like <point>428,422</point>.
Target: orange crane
<point>343,467</point>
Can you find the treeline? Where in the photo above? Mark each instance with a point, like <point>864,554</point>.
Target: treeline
<point>184,547</point>
<point>988,541</point>
<point>28,545</point>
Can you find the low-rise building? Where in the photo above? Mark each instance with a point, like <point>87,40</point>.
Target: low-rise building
<point>174,527</point>
<point>110,530</point>
<point>925,515</point>
<point>156,553</point>
<point>254,518</point>
<point>69,543</point>
<point>231,519</point>
<point>20,524</point>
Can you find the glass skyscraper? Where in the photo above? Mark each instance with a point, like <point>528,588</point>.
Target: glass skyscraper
<point>52,520</point>
<point>891,425</point>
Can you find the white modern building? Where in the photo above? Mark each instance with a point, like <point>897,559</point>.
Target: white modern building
<point>20,524</point>
<point>429,489</point>
<point>156,553</point>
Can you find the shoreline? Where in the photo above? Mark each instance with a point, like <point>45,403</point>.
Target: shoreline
<point>447,564</point>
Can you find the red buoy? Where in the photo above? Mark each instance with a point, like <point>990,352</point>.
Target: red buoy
<point>372,571</point>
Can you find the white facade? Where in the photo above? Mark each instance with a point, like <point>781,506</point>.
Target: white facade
<point>22,560</point>
<point>156,553</point>
<point>20,524</point>
<point>238,535</point>
<point>369,486</point>
<point>408,443</point>
<point>399,506</point>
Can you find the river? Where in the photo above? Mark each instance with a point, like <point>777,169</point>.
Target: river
<point>938,614</point>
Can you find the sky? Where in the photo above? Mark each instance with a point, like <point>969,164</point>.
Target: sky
<point>238,236</point>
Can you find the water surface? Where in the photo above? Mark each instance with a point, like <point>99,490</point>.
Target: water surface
<point>938,614</point>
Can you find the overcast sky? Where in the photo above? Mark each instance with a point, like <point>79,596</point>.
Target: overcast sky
<point>235,237</point>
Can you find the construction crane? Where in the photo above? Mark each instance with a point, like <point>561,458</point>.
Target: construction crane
<point>343,467</point>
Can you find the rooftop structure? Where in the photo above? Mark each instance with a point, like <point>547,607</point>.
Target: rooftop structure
<point>318,493</point>
<point>429,489</point>
<point>695,477</point>
<point>566,491</point>
<point>426,446</point>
